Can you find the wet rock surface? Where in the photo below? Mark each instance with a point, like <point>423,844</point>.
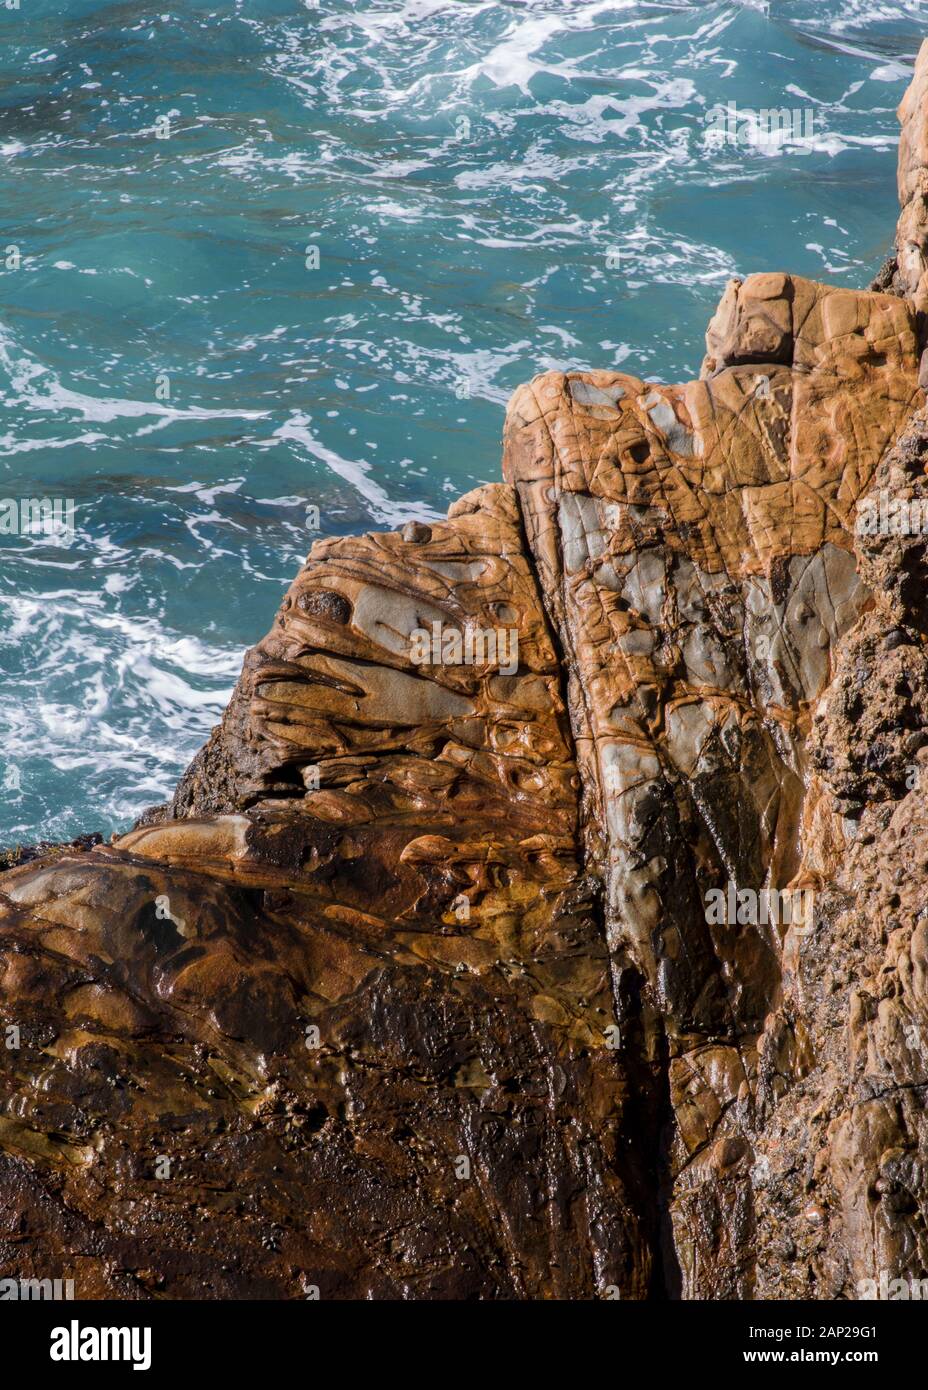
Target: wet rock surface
<point>341,1023</point>
<point>412,992</point>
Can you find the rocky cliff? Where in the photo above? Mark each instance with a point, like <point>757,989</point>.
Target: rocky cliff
<point>546,918</point>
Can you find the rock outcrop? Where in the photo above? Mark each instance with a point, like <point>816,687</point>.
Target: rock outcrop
<point>415,990</point>
<point>694,545</point>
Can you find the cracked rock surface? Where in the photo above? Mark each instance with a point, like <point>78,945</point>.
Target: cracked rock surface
<point>412,991</point>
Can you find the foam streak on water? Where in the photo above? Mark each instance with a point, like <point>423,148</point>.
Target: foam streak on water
<point>465,169</point>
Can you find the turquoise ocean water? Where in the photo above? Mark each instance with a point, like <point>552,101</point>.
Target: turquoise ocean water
<point>492,189</point>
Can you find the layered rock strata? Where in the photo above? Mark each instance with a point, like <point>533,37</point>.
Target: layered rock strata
<point>413,991</point>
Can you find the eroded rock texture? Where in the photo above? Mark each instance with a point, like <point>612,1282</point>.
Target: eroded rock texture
<point>694,546</point>
<point>462,1128</point>
<point>413,992</point>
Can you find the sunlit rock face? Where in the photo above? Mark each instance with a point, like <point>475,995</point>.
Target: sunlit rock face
<point>695,547</point>
<point>415,990</point>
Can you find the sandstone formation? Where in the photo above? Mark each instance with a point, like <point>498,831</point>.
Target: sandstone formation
<point>413,992</point>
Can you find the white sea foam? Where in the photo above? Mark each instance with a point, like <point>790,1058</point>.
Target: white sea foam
<point>107,699</point>
<point>458,260</point>
<point>356,472</point>
<point>38,388</point>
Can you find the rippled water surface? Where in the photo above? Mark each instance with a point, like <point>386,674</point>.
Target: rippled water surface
<point>470,173</point>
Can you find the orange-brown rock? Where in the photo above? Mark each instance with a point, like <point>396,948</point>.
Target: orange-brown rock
<point>695,548</point>
<point>354,1037</point>
<point>415,990</point>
